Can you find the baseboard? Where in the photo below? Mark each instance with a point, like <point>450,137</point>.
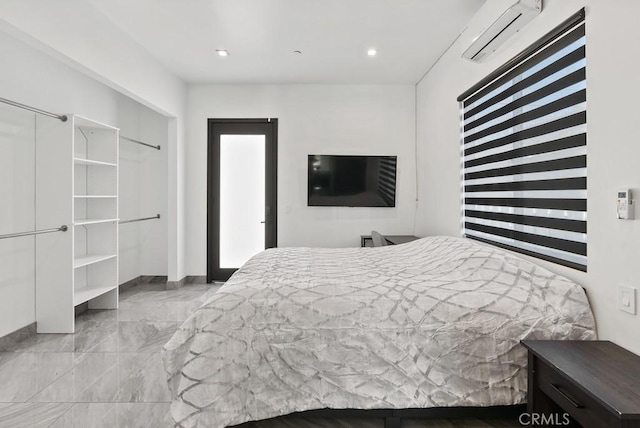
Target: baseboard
<point>176,285</point>
<point>159,279</point>
<point>142,279</point>
<point>196,279</point>
<point>152,279</point>
<point>7,341</point>
<point>128,284</point>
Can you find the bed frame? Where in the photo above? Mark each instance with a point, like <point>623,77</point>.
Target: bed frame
<point>393,417</point>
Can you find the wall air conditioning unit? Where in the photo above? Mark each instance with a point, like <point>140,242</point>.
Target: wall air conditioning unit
<point>495,23</point>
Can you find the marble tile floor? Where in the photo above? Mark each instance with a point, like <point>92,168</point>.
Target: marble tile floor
<point>109,373</point>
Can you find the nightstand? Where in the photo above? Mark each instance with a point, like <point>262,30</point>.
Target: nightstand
<point>596,382</point>
<point>366,241</point>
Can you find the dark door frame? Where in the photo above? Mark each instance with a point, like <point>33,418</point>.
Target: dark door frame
<point>268,127</point>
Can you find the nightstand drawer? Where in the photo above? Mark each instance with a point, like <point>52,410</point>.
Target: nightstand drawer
<point>583,408</point>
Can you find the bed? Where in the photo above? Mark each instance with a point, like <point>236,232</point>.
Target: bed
<point>432,323</point>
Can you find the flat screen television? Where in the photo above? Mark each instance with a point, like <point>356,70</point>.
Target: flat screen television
<point>352,181</point>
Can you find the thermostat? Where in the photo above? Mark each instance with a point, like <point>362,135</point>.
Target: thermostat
<point>624,205</point>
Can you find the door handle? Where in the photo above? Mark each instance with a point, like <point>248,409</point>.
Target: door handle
<point>262,222</point>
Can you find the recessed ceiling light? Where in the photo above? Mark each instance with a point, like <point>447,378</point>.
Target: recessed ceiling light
<point>222,52</point>
<point>372,52</point>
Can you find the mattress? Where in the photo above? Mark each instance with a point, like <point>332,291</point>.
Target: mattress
<point>432,323</point>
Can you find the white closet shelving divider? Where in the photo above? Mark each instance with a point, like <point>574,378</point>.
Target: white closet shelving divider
<point>76,185</point>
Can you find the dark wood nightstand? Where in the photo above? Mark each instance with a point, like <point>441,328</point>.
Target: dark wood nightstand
<point>366,241</point>
<point>596,382</point>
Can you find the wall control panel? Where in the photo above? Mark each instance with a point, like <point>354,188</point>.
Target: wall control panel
<point>627,299</point>
<point>624,205</point>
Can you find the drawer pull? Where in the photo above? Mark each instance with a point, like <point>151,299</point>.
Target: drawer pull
<point>567,397</point>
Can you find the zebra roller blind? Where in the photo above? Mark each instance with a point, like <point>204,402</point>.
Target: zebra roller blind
<point>524,138</point>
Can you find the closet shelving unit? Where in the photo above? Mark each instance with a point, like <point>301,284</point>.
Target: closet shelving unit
<point>77,183</point>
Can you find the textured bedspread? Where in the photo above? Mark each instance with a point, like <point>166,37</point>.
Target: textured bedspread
<point>435,322</point>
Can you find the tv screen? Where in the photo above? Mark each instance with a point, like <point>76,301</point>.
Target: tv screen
<point>351,181</point>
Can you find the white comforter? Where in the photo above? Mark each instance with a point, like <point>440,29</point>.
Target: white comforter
<point>435,322</point>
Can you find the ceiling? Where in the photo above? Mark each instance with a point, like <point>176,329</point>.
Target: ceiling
<point>261,35</point>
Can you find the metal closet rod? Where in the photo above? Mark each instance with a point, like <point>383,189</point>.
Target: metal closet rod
<point>62,228</point>
<point>60,117</point>
<point>140,219</point>
<point>122,137</point>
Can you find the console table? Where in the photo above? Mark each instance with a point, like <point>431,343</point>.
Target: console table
<point>596,383</point>
<point>366,241</point>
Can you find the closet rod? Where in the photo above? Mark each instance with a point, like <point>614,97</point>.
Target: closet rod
<point>62,228</point>
<point>140,219</point>
<point>60,117</point>
<point>122,137</point>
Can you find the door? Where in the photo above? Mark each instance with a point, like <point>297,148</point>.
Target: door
<point>241,192</point>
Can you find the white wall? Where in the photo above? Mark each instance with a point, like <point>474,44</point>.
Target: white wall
<point>152,198</point>
<point>142,191</point>
<point>17,180</point>
<point>325,119</point>
<point>613,148</point>
<point>36,79</point>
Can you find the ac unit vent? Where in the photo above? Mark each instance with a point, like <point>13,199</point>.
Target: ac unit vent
<point>491,32</point>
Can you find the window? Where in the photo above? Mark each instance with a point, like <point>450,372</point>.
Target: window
<point>524,148</point>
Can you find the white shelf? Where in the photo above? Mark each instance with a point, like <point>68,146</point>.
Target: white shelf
<point>83,262</point>
<point>85,294</point>
<point>89,260</point>
<point>81,161</point>
<point>87,221</point>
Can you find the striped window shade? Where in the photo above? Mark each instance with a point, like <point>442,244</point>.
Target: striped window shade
<point>524,148</point>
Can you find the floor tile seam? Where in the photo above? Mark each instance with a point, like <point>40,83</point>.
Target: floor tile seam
<point>120,402</point>
<point>68,371</point>
<point>89,385</point>
<point>102,418</point>
<point>61,415</point>
<point>102,352</point>
<point>35,403</point>
<point>90,351</point>
<point>73,365</point>
<point>108,336</point>
<point>31,351</point>
<point>159,351</point>
<point>38,403</point>
<point>109,368</point>
<point>85,352</point>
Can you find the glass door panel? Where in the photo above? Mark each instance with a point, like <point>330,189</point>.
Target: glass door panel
<point>242,198</point>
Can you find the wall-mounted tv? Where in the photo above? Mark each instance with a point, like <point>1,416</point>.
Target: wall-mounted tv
<point>352,181</point>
